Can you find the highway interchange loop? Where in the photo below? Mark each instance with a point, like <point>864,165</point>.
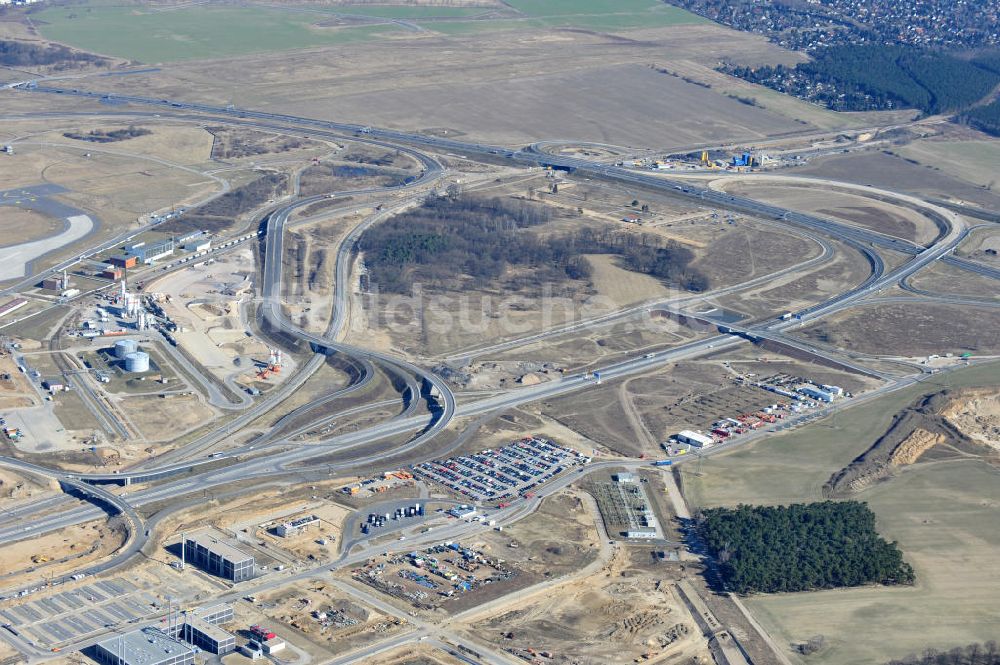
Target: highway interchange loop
<point>187,470</point>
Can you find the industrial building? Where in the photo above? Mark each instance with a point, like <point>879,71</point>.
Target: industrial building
<point>151,251</point>
<point>189,237</point>
<point>694,439</point>
<point>123,261</point>
<point>56,283</point>
<point>218,558</point>
<point>111,272</point>
<point>287,529</point>
<point>199,627</point>
<point>816,393</point>
<point>208,636</point>
<point>148,646</point>
<point>641,532</point>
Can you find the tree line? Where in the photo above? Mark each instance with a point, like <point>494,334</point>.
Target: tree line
<point>800,547</point>
<point>461,237</point>
<point>984,118</point>
<point>987,653</point>
<point>109,136</point>
<point>23,54</point>
<point>870,77</point>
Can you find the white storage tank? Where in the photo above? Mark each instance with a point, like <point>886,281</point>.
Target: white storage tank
<point>137,362</point>
<point>124,347</point>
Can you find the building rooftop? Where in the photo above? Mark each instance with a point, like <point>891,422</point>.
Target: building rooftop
<point>219,547</point>
<point>209,629</point>
<point>145,647</point>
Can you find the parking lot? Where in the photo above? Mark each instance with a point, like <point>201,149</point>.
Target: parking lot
<point>70,615</point>
<point>505,473</point>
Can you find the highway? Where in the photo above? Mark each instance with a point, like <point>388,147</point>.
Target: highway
<point>272,293</point>
<point>274,455</point>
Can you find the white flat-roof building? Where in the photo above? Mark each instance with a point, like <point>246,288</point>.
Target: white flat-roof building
<point>148,646</point>
<point>286,529</point>
<point>694,438</point>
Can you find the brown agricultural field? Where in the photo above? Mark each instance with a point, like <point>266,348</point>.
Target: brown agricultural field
<point>894,173</point>
<point>917,329</point>
<point>508,87</point>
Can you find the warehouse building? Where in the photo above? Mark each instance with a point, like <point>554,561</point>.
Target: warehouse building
<point>816,393</point>
<point>218,558</point>
<point>151,251</point>
<point>148,646</point>
<point>694,439</point>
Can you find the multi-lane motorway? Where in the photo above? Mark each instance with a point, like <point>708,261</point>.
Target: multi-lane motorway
<point>272,456</point>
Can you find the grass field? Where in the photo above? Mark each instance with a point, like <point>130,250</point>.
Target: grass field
<point>193,32</point>
<point>601,15</point>
<point>202,31</point>
<point>972,161</point>
<point>945,516</point>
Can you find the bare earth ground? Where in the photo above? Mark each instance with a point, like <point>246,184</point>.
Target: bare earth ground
<point>616,615</point>
<point>15,488</point>
<point>976,413</point>
<point>186,144</point>
<point>57,552</point>
<point>516,88</point>
<point>290,608</point>
<point>895,173</point>
<point>946,279</point>
<point>205,300</point>
<point>931,508</point>
<point>847,268</point>
<point>21,225</point>
<point>418,654</point>
<point>163,418</point>
<point>983,245</point>
<point>111,185</point>
<point>930,329</point>
<point>859,210</point>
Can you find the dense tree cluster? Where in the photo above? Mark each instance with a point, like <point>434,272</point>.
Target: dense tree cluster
<point>801,547</point>
<point>984,118</point>
<point>109,136</point>
<point>973,654</point>
<point>451,238</point>
<point>865,78</point>
<point>23,54</point>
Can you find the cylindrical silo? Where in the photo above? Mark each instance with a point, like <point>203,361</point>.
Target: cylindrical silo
<point>137,362</point>
<point>123,347</point>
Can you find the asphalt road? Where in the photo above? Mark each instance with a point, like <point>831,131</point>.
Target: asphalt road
<point>244,467</point>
